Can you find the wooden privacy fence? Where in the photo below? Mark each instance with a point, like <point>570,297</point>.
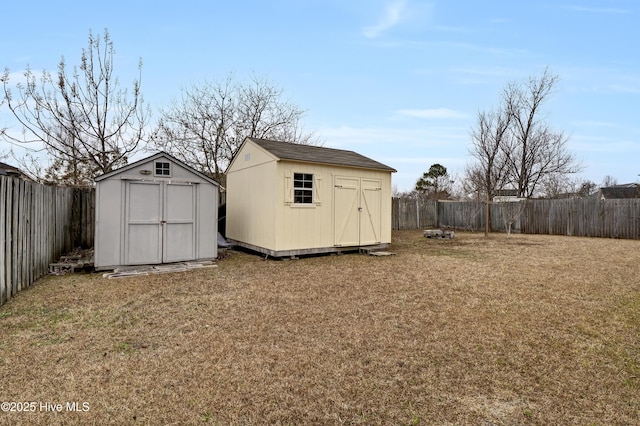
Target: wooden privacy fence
<point>83,216</point>
<point>413,213</point>
<point>38,223</point>
<point>586,217</point>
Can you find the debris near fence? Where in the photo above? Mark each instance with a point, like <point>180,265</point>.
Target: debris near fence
<point>438,233</point>
<point>130,271</point>
<point>78,260</point>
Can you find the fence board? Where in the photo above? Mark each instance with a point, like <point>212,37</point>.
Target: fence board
<point>15,213</point>
<point>588,217</point>
<point>37,225</point>
<point>83,211</point>
<point>467,216</point>
<point>3,204</point>
<point>412,213</point>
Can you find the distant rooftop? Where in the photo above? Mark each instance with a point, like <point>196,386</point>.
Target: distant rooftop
<point>507,193</point>
<point>628,190</point>
<point>9,170</point>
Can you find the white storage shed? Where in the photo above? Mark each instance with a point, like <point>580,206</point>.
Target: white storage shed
<point>156,210</point>
<point>286,199</point>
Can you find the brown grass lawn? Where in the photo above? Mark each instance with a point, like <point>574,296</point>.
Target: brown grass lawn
<point>526,330</point>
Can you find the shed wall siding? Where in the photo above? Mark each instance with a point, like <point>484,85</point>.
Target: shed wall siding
<point>251,195</point>
<point>250,156</point>
<point>108,237</point>
<point>178,173</point>
<point>207,226</point>
<point>306,227</point>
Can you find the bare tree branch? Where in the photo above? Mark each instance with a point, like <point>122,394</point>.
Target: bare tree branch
<point>534,150</point>
<point>86,123</point>
<point>207,125</point>
<point>490,173</point>
<point>516,146</point>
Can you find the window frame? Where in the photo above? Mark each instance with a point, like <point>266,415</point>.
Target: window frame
<point>303,189</point>
<point>158,166</point>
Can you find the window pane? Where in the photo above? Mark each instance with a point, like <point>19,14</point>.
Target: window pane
<point>303,188</point>
<point>162,169</point>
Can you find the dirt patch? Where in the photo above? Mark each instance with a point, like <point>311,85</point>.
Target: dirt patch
<point>473,330</point>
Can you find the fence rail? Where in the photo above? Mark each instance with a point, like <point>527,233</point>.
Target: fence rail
<point>38,223</point>
<point>587,217</point>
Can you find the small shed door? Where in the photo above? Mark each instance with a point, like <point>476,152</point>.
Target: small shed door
<point>179,236</point>
<point>346,211</point>
<point>357,211</point>
<point>371,215</point>
<point>160,225</point>
<point>143,228</point>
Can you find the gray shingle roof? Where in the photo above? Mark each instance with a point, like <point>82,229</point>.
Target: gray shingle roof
<point>507,193</point>
<point>317,154</point>
<point>7,169</point>
<point>621,191</point>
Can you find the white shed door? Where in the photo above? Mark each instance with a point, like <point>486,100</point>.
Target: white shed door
<point>160,222</point>
<point>370,216</point>
<point>179,237</point>
<point>346,202</point>
<point>357,211</point>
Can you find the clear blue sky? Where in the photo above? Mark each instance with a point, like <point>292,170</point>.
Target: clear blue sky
<point>399,81</point>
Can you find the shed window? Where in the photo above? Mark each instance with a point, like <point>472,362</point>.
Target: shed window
<point>302,188</point>
<point>163,168</point>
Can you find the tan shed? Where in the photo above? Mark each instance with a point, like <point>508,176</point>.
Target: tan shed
<point>286,199</point>
<point>156,210</point>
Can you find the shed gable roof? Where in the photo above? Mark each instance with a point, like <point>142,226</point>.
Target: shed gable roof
<point>154,157</point>
<point>317,154</point>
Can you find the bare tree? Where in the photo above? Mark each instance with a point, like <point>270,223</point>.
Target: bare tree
<point>3,154</point>
<point>561,186</point>
<point>511,212</point>
<point>197,127</point>
<point>490,172</point>
<point>534,150</point>
<point>557,185</point>
<point>585,188</point>
<point>516,147</point>
<point>2,129</point>
<point>207,125</point>
<point>84,121</point>
<point>262,113</point>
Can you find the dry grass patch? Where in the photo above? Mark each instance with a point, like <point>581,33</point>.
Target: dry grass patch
<point>529,330</point>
